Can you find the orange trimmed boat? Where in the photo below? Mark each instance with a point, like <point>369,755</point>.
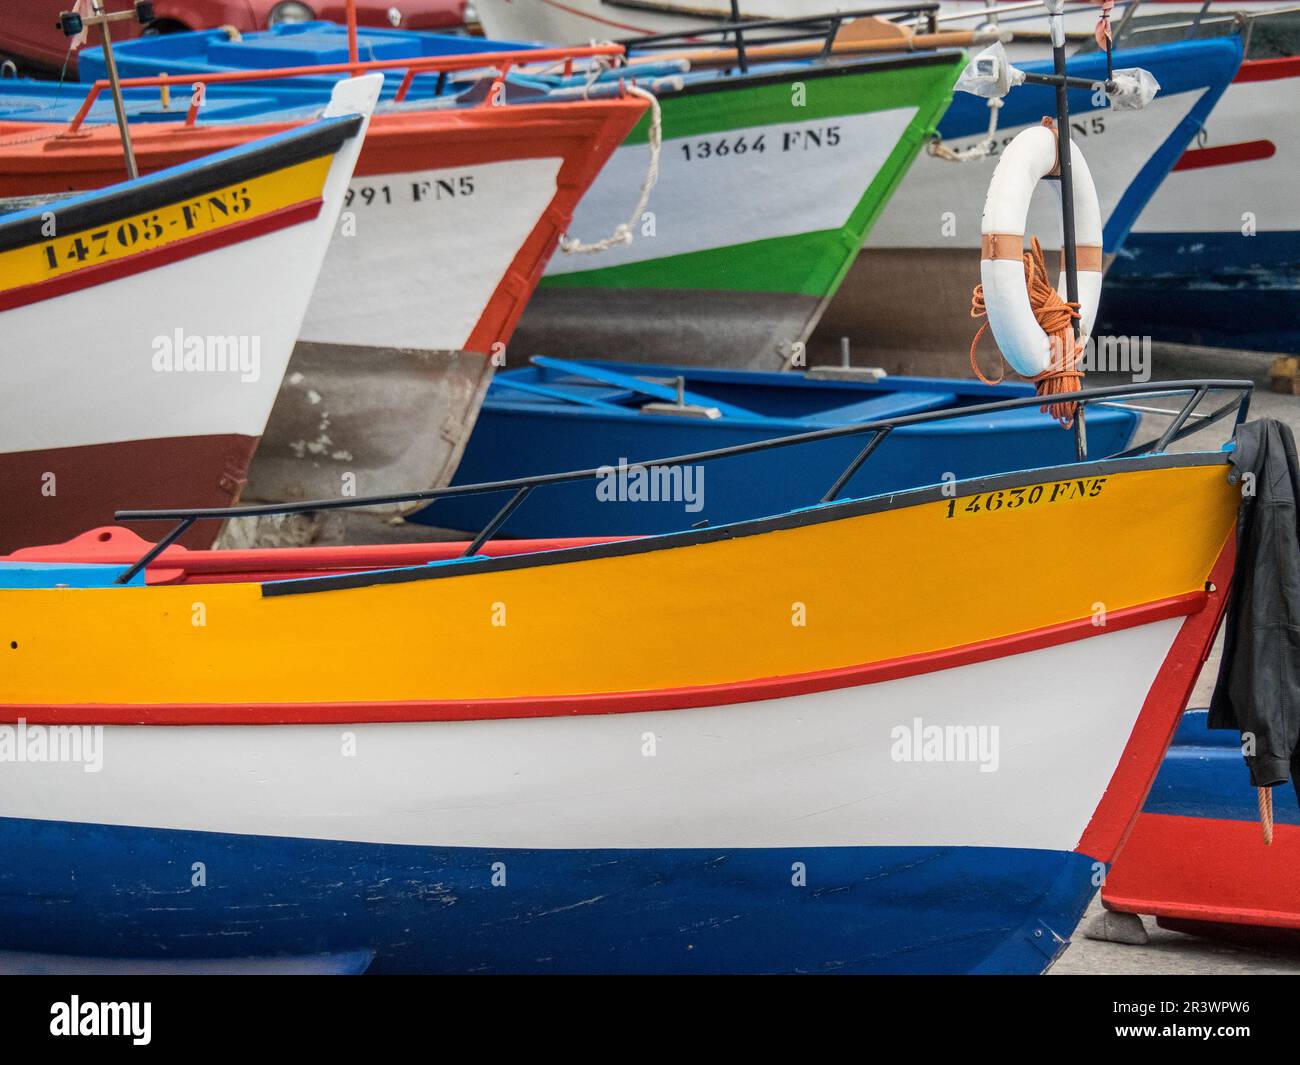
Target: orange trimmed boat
<point>451,217</point>
<point>101,403</point>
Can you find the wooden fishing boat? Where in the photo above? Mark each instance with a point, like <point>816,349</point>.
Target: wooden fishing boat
<point>714,750</point>
<point>577,21</point>
<point>1213,259</point>
<point>769,177</point>
<point>561,414</point>
<point>759,209</point>
<point>907,296</point>
<point>1197,860</point>
<point>451,217</point>
<point>101,403</point>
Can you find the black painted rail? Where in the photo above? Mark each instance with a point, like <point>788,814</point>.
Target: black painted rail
<point>1184,421</point>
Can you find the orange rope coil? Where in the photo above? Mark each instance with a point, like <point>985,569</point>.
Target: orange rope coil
<point>1056,317</point>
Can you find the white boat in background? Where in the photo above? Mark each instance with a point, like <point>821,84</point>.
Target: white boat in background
<point>908,295</point>
<point>579,21</point>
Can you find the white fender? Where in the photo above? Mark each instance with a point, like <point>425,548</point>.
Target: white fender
<point>1029,158</point>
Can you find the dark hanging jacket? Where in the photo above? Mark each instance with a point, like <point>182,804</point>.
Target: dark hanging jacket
<point>1258,688</point>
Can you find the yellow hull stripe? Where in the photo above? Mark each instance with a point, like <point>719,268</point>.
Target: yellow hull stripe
<point>59,254</point>
<point>838,593</point>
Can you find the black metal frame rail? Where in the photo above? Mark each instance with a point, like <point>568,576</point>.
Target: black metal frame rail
<point>804,28</point>
<point>1186,420</point>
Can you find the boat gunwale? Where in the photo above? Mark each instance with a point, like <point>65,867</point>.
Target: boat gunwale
<point>816,514</point>
<point>81,211</point>
<point>1181,426</point>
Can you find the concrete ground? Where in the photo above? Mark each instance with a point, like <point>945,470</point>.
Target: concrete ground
<point>1173,953</point>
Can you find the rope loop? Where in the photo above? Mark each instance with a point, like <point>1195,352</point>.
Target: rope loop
<point>1056,317</point>
<point>623,233</point>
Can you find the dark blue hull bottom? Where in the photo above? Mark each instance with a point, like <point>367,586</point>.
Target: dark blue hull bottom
<point>1216,289</point>
<point>105,892</point>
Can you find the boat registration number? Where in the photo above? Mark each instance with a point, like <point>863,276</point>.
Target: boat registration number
<point>1032,496</point>
<point>799,139</point>
<point>143,231</point>
<point>434,190</point>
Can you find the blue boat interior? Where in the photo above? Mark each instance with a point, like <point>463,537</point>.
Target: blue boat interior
<point>781,401</point>
<point>65,575</point>
<point>1205,775</point>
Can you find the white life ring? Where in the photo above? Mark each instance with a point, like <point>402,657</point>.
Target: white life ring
<point>1029,158</point>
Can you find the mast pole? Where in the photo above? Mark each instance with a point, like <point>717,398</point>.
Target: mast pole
<point>115,86</point>
<point>1056,24</point>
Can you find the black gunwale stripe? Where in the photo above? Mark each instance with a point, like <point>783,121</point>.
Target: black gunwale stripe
<point>837,68</point>
<point>323,137</point>
<point>795,519</point>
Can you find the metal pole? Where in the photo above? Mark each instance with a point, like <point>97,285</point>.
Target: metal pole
<point>740,37</point>
<point>132,171</point>
<point>1056,20</point>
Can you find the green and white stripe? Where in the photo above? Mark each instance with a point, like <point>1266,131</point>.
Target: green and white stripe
<point>769,182</point>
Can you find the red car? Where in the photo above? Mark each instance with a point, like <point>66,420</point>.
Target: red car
<point>30,34</point>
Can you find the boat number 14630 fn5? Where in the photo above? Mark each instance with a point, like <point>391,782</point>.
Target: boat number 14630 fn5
<point>1014,498</point>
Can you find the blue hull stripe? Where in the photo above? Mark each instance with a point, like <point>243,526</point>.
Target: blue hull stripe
<point>1207,288</point>
<point>112,892</point>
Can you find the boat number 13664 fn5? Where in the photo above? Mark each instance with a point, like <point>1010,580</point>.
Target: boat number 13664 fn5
<point>809,138</point>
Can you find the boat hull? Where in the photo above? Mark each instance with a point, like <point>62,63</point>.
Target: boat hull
<point>105,407</point>
<point>723,788</point>
<point>657,910</point>
<point>444,233</point>
<point>754,219</point>
<point>1234,279</point>
<point>385,419</point>
<point>927,238</point>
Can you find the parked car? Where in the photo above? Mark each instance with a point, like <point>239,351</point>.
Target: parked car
<point>30,34</point>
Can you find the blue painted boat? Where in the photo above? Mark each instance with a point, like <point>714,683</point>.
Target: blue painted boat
<point>24,100</point>
<point>286,45</point>
<point>1201,69</point>
<point>558,414</point>
<point>1130,155</point>
<point>1215,258</point>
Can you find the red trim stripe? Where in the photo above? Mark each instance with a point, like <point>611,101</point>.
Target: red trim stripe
<point>1117,812</point>
<point>621,703</point>
<point>1269,69</point>
<point>185,248</point>
<point>1226,154</point>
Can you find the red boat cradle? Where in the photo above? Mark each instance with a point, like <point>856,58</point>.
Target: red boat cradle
<point>1208,871</point>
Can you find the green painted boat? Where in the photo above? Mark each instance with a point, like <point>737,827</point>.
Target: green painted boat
<point>769,182</point>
